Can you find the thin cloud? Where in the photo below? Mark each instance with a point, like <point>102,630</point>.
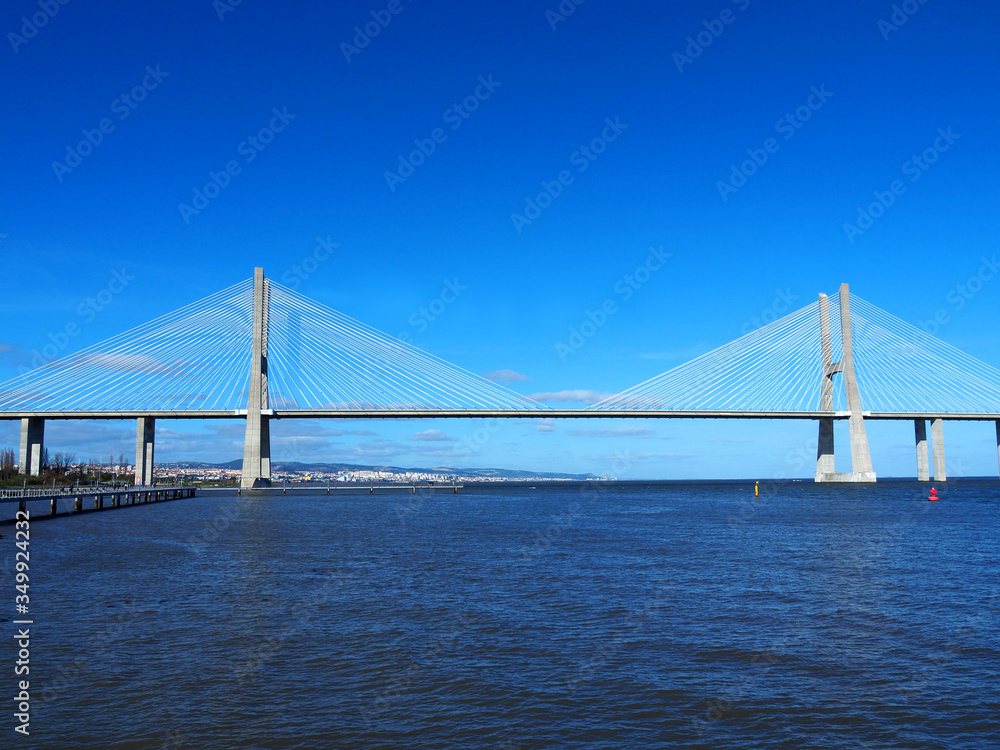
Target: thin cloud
<point>640,456</point>
<point>546,425</point>
<point>378,449</point>
<point>579,396</point>
<point>506,375</point>
<point>432,436</point>
<point>639,432</point>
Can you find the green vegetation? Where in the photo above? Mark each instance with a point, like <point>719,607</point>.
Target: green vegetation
<point>60,470</point>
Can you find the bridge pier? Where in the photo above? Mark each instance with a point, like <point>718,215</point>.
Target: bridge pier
<point>257,441</point>
<point>825,456</point>
<point>998,440</point>
<point>144,443</point>
<point>861,460</point>
<point>32,446</point>
<point>937,448</point>
<point>920,435</point>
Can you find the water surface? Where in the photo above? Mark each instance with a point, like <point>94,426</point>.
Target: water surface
<point>619,617</point>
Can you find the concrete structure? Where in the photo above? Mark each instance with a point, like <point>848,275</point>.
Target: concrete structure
<point>923,465</point>
<point>937,448</point>
<point>861,461</point>
<point>257,443</point>
<point>824,445</point>
<point>72,499</point>
<point>144,440</point>
<point>998,439</point>
<point>32,446</point>
<point>288,325</point>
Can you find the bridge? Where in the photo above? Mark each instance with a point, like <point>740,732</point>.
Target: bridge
<point>259,351</point>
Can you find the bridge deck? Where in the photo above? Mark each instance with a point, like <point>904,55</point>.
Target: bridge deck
<point>488,414</point>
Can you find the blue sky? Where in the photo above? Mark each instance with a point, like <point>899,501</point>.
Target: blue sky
<point>834,100</point>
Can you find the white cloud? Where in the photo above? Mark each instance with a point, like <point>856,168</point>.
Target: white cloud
<point>640,432</point>
<point>432,435</point>
<point>546,425</point>
<point>380,449</point>
<point>639,456</point>
<point>507,375</point>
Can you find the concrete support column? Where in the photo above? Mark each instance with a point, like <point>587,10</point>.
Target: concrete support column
<point>257,441</point>
<point>824,450</point>
<point>861,460</point>
<point>32,446</point>
<point>923,467</point>
<point>937,448</point>
<point>998,440</point>
<point>145,439</point>
<point>825,463</point>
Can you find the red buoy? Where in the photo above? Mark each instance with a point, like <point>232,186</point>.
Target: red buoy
<point>933,498</point>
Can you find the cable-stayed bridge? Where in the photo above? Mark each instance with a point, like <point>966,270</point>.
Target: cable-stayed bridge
<point>259,351</point>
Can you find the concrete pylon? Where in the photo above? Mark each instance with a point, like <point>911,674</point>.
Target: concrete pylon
<point>257,443</point>
<point>145,439</point>
<point>920,435</point>
<point>937,448</point>
<point>824,444</point>
<point>861,459</point>
<point>861,462</point>
<point>998,440</point>
<point>32,446</point>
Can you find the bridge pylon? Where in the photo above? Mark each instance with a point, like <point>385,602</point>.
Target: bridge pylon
<point>145,439</point>
<point>861,461</point>
<point>32,446</point>
<point>257,442</point>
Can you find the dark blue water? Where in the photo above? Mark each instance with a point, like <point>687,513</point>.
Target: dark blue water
<point>630,617</point>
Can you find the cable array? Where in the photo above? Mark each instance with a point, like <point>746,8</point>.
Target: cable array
<point>319,358</point>
<point>195,358</point>
<point>198,359</point>
<point>775,368</point>
<point>900,368</point>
